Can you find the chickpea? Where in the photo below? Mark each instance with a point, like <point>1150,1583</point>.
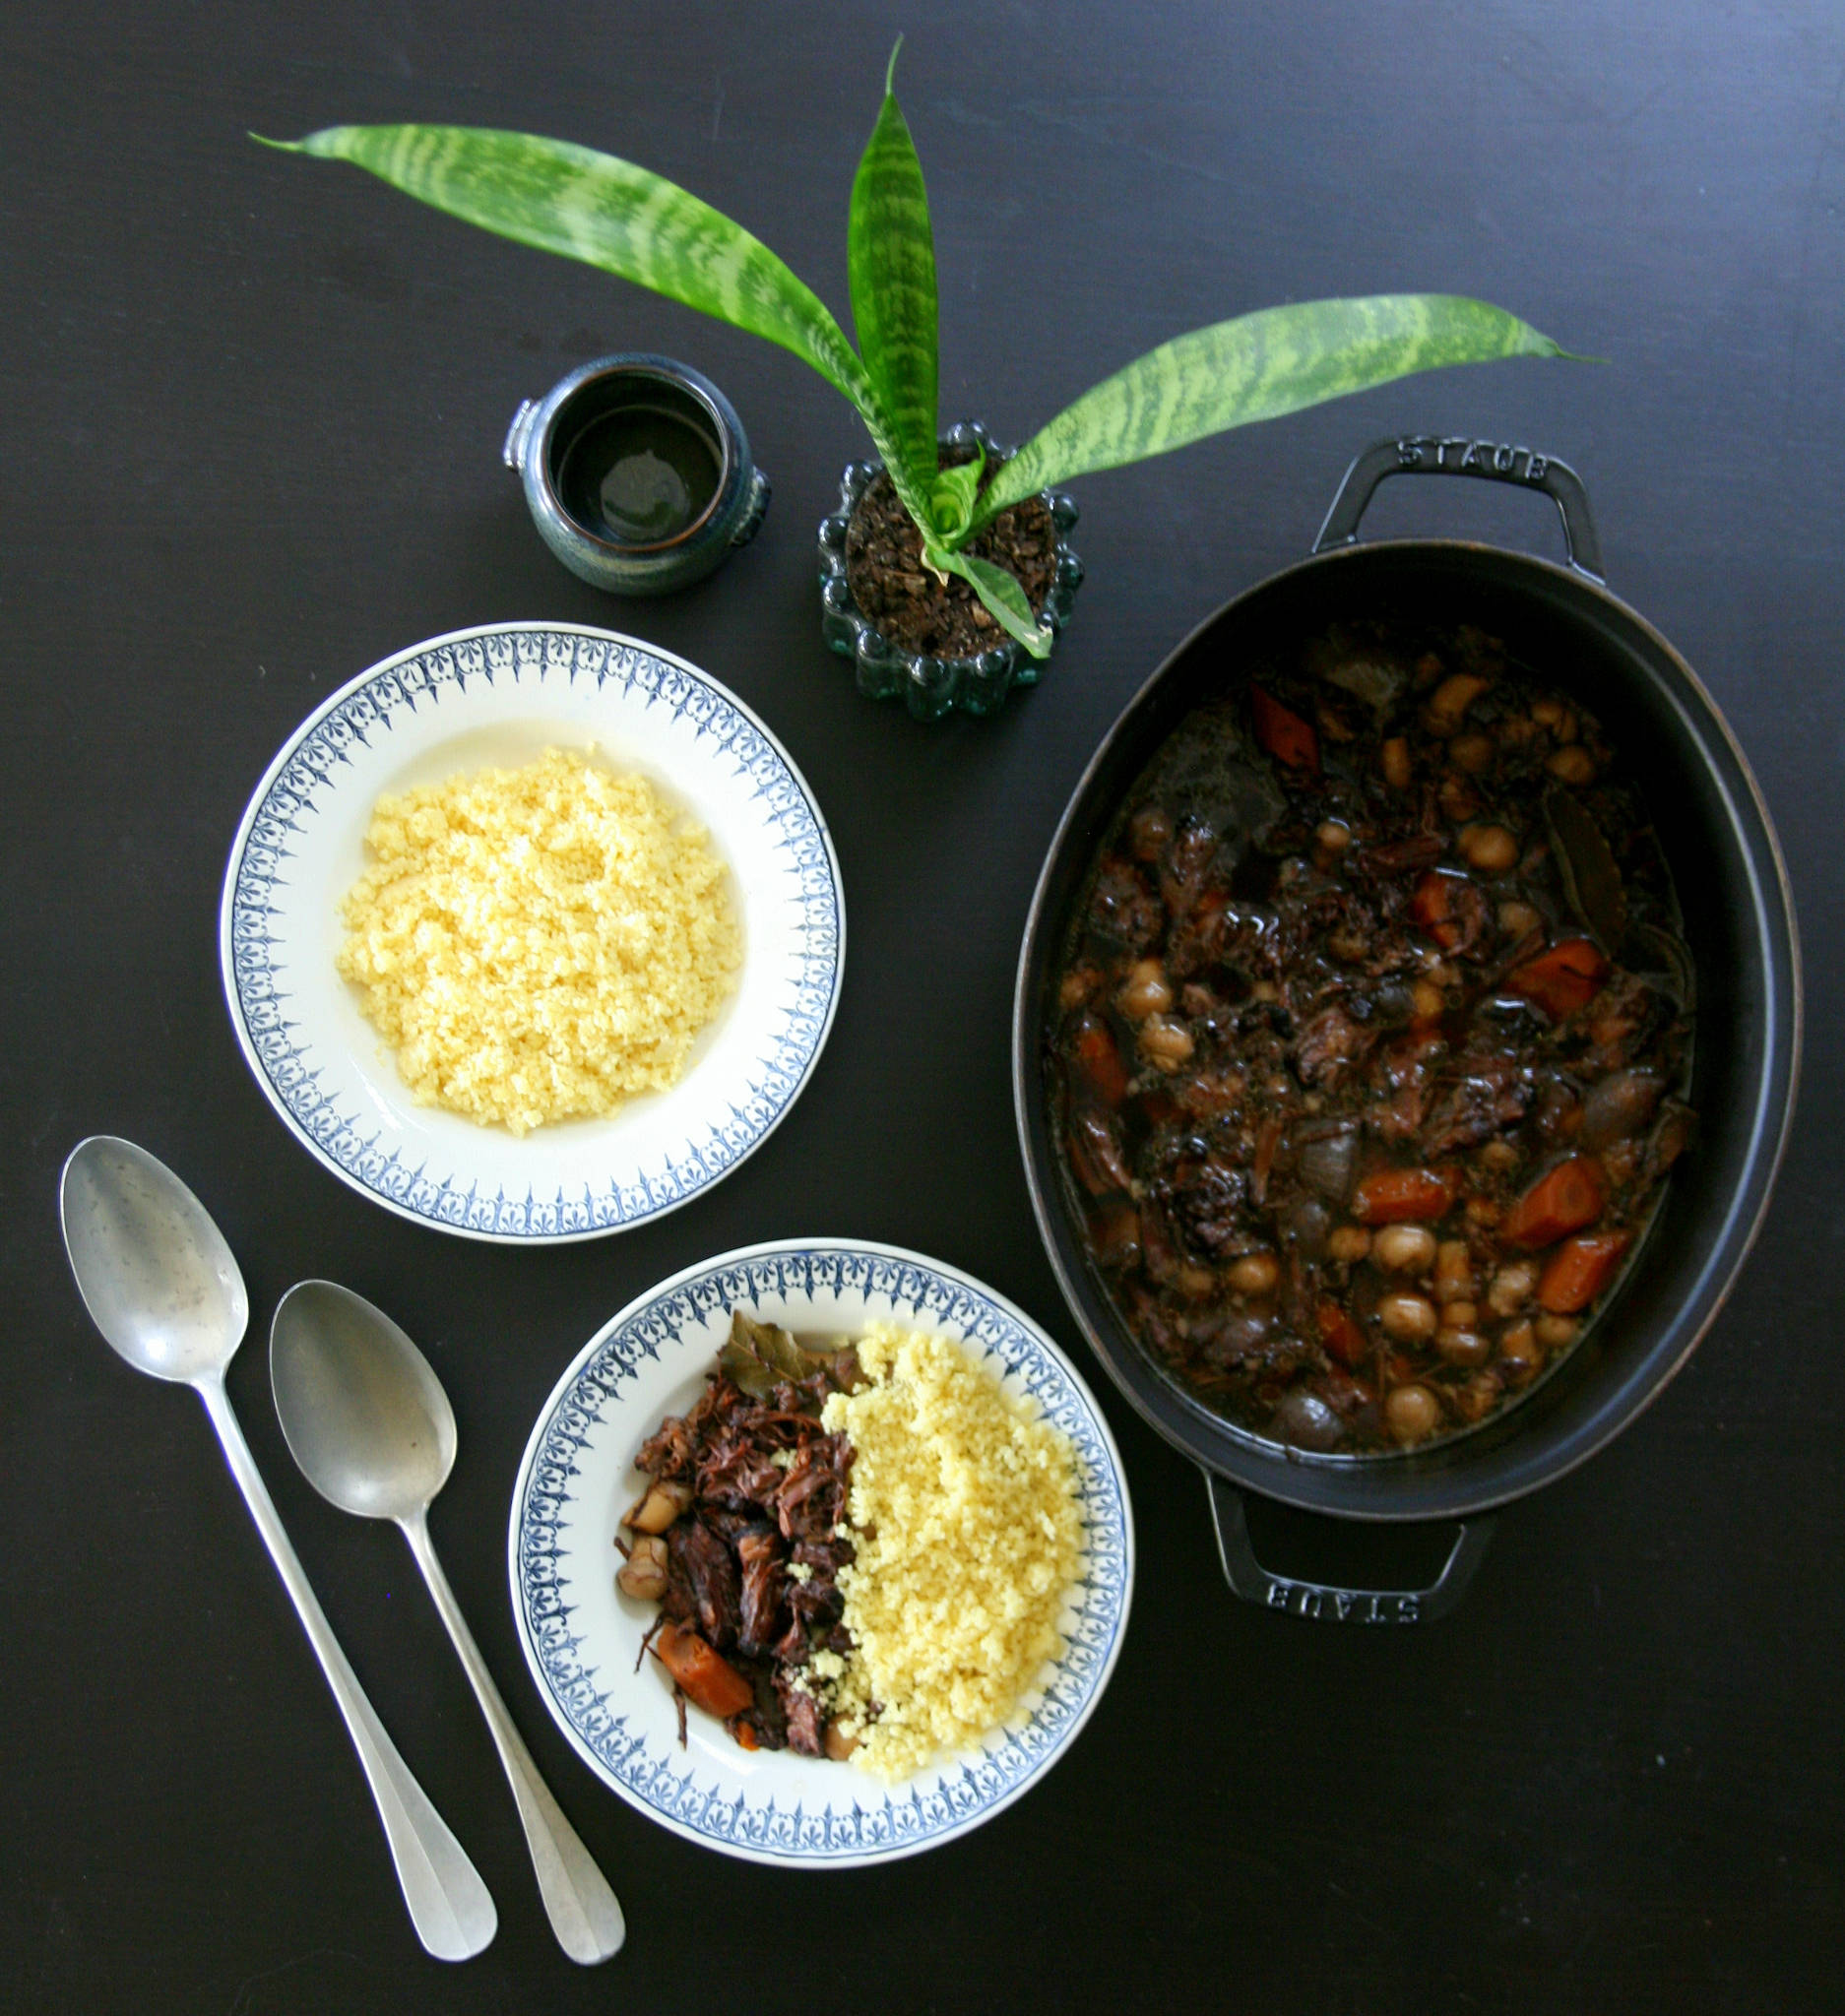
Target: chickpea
<point>1472,752</point>
<point>644,1572</point>
<point>1458,799</point>
<point>1512,1288</point>
<point>1554,1332</point>
<point>1333,835</point>
<point>1404,1248</point>
<point>1450,700</point>
<point>1408,1319</point>
<point>1414,1414</point>
<point>1520,1355</point>
<point>657,1507</point>
<point>1463,1347</point>
<point>1477,1398</point>
<point>1165,1043</point>
<point>1454,1271</point>
<point>1196,1282</point>
<point>1427,1001</point>
<point>1482,1212</point>
<point>1490,849</point>
<point>1500,1155</point>
<point>1255,1274</point>
<point>1149,832</point>
<point>1571,764</point>
<point>1349,1243</point>
<point>1516,918</point>
<point>1555,715</point>
<point>1396,763</point>
<point>1148,991</point>
<point>1076,988</point>
<point>1462,1315</point>
<point>838,1745</point>
<point>1350,946</point>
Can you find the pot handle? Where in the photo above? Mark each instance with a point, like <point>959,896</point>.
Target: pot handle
<point>1498,462</point>
<point>1332,1605</point>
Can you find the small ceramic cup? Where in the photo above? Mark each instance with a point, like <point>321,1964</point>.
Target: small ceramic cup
<point>637,473</point>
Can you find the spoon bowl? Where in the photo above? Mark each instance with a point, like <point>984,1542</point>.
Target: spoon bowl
<point>361,1410</point>
<point>156,1274</point>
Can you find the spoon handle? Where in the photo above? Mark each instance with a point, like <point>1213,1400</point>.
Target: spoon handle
<point>449,1905</point>
<point>578,1901</point>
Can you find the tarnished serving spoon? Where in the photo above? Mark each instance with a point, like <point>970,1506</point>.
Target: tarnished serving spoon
<point>372,1430</point>
<point>161,1285</point>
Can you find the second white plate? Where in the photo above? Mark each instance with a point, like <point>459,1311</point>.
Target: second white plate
<point>501,696</point>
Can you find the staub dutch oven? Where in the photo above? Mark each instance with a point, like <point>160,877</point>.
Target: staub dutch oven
<point>1739,923</point>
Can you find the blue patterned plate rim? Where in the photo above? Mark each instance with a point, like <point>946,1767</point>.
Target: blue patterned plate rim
<point>332,1138</point>
<point>883,1823</point>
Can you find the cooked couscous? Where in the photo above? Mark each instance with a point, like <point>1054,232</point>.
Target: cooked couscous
<point>963,1514</point>
<point>542,943</point>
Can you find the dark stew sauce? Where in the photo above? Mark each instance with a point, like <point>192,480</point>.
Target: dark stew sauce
<point>1369,1048</point>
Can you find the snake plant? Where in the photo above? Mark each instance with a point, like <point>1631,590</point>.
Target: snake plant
<point>613,214</point>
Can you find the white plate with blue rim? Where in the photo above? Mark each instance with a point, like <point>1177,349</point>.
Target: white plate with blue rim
<point>499,696</point>
<point>582,1636</point>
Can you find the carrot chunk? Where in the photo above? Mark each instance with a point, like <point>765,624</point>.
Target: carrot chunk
<point>1433,907</point>
<point>1578,1271</point>
<point>705,1678</point>
<point>1564,1201</point>
<point>1339,1334</point>
<point>1389,1196</point>
<point>1098,1062</point>
<point>1283,733</point>
<point>1563,979</point>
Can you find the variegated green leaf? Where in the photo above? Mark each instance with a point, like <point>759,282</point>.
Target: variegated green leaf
<point>1000,594</point>
<point>1253,368</point>
<point>951,497</point>
<point>891,258</point>
<point>612,215</point>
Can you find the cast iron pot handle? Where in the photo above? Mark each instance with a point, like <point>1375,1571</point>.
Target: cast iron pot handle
<point>1497,461</point>
<point>1254,1584</point>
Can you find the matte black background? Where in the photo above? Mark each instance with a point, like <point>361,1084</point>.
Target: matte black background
<point>253,407</point>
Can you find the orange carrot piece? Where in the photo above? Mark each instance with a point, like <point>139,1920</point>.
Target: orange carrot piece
<point>1578,1271</point>
<point>1563,979</point>
<point>1283,733</point>
<point>1433,907</point>
<point>1389,1196</point>
<point>1564,1201</point>
<point>1099,1062</point>
<point>1340,1335</point>
<point>705,1678</point>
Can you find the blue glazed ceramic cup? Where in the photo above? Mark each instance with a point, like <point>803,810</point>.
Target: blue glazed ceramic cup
<point>637,473</point>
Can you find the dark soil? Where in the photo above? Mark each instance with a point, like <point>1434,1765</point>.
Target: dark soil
<point>913,610</point>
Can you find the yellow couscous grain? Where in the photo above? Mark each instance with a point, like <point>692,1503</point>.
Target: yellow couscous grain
<point>964,1518</point>
<point>538,944</point>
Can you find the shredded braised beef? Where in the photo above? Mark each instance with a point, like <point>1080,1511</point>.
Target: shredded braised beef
<point>748,1493</point>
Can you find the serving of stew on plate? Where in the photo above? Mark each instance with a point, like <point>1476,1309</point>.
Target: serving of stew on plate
<point>1370,1044</point>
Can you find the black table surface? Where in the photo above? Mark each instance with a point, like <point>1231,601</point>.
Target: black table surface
<point>253,411</point>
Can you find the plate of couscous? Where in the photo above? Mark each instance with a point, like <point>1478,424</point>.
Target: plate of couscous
<point>532,932</point>
<point>980,1536</point>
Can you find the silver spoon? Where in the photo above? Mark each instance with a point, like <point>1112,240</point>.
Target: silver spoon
<point>161,1285</point>
<point>369,1424</point>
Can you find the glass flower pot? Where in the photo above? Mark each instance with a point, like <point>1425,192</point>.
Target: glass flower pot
<point>931,687</point>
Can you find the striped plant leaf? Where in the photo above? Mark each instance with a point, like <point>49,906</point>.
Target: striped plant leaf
<point>610,214</point>
<point>1000,592</point>
<point>891,258</point>
<point>1253,368</point>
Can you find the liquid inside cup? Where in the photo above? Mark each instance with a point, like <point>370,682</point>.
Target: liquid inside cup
<point>635,462</point>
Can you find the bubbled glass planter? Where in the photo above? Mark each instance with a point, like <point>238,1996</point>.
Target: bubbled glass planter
<point>931,687</point>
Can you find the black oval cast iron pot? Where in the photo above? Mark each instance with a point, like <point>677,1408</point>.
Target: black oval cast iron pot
<point>1739,924</point>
